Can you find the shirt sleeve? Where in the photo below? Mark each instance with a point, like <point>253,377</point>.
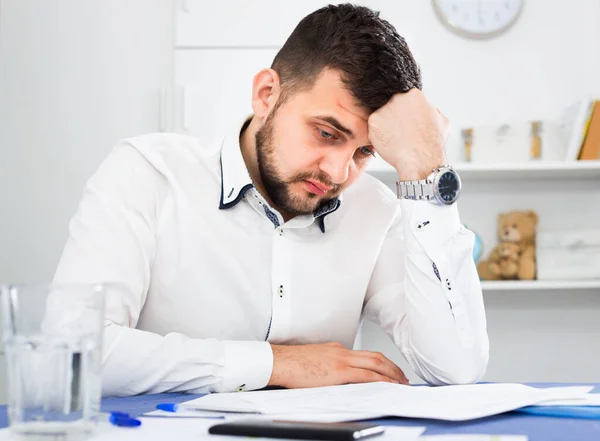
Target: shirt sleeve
<point>426,294</point>
<point>112,240</point>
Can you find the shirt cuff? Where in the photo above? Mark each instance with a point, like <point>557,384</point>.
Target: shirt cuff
<point>428,225</point>
<point>248,365</point>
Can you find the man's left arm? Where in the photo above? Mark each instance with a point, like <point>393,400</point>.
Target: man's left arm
<point>425,293</point>
<point>425,290</point>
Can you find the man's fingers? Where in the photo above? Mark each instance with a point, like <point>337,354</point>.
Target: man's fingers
<point>377,362</point>
<point>356,375</point>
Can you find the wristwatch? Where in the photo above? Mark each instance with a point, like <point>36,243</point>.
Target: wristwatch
<point>442,187</point>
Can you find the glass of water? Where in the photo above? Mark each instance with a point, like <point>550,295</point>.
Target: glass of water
<point>52,337</point>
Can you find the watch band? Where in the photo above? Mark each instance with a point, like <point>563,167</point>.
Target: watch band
<point>419,190</point>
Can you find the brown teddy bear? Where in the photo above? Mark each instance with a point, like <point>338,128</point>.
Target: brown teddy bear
<point>503,262</point>
<point>514,256</point>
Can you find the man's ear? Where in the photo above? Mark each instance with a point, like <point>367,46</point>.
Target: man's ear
<point>265,92</point>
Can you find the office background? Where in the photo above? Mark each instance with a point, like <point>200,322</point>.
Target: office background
<point>77,75</point>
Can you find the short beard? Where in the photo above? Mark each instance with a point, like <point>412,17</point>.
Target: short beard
<point>278,188</point>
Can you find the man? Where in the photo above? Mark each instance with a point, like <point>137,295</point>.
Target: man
<point>249,263</point>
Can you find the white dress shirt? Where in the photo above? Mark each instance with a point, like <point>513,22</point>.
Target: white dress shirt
<point>211,274</point>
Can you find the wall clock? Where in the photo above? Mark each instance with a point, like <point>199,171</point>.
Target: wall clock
<point>478,19</point>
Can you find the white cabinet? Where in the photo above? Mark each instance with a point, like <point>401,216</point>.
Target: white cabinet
<point>241,23</point>
<point>215,88</point>
<point>75,77</point>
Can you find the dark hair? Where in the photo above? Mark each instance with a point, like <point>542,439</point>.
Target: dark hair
<point>374,61</point>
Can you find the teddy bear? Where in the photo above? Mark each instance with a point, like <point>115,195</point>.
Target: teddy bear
<point>514,256</point>
<point>502,263</point>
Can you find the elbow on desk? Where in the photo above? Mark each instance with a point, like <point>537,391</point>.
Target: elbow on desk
<point>469,375</point>
<point>461,369</point>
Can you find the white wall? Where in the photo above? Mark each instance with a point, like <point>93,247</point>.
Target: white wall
<point>531,72</point>
<point>75,76</point>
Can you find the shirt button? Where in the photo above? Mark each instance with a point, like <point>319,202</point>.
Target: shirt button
<point>280,291</point>
<point>281,232</point>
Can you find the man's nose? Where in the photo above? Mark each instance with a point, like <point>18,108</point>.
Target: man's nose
<point>337,165</point>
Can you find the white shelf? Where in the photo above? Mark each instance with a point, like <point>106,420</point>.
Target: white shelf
<point>539,285</point>
<point>515,170</point>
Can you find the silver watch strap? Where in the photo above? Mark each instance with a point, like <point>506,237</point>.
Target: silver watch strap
<point>420,190</point>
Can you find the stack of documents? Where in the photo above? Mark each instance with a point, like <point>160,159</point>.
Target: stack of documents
<point>374,400</point>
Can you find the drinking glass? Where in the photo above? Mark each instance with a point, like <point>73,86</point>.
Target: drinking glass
<point>52,337</point>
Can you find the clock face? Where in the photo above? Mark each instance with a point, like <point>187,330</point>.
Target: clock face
<point>478,18</point>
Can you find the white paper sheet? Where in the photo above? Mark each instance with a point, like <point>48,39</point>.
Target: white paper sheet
<point>452,403</point>
<point>584,400</point>
<point>325,417</point>
<point>181,429</point>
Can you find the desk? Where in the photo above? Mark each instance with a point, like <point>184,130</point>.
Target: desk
<point>537,428</point>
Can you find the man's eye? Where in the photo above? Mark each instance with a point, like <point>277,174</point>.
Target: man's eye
<point>325,135</point>
<point>366,151</point>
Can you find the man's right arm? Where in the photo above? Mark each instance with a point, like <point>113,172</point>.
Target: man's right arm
<point>112,238</point>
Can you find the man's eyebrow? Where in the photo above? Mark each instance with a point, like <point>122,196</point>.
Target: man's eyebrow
<point>335,123</point>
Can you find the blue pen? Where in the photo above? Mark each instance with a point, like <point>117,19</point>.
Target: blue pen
<point>168,407</point>
<point>174,407</point>
<point>122,419</point>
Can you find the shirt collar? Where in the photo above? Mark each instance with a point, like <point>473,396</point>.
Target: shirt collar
<point>326,209</point>
<point>236,181</point>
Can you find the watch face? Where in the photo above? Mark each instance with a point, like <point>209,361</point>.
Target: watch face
<point>448,187</point>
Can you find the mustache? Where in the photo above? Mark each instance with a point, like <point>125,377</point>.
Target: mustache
<point>321,177</point>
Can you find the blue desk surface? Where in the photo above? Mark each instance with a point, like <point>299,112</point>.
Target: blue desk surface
<point>537,428</point>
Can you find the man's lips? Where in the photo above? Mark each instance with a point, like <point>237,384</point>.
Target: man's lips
<point>317,187</point>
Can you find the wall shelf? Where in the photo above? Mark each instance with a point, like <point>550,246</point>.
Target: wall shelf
<point>516,170</point>
<point>539,285</point>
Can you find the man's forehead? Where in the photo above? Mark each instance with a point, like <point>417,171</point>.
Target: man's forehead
<point>329,90</point>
